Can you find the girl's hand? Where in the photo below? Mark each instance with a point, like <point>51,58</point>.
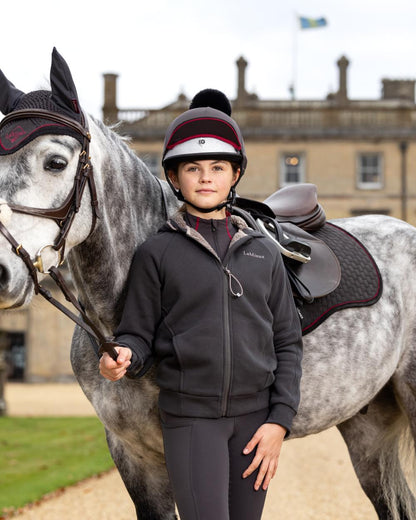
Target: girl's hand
<point>268,439</point>
<point>115,370</point>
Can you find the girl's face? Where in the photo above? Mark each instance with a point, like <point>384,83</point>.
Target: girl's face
<point>205,183</point>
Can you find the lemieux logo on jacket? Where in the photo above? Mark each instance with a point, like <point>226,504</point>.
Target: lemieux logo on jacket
<point>253,255</point>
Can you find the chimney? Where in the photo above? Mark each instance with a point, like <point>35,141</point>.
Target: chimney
<point>342,95</point>
<point>241,93</point>
<point>110,110</point>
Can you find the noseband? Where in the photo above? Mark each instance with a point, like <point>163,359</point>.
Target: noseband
<point>63,216</point>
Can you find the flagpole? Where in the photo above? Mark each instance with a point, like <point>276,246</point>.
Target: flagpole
<point>301,22</point>
<point>292,87</point>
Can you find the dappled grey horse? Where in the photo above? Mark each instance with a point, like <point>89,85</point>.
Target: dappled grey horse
<point>360,357</point>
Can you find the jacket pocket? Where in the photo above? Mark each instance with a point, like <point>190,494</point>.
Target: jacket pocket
<point>254,365</point>
<point>200,360</point>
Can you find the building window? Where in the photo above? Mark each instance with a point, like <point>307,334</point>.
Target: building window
<point>152,161</point>
<point>292,168</point>
<point>369,171</point>
<point>15,355</point>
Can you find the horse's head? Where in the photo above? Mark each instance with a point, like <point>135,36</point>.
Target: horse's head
<point>44,167</point>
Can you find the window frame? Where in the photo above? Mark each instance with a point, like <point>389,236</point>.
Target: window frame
<point>283,166</point>
<point>360,183</point>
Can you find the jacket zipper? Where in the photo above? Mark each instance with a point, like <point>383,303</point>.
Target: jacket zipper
<point>227,352</point>
<point>227,290</point>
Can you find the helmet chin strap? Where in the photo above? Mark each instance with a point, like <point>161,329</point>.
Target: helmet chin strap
<point>229,202</point>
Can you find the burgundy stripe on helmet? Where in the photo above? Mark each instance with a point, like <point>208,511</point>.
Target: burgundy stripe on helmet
<point>201,127</point>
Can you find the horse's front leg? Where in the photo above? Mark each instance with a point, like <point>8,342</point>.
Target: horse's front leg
<point>128,410</point>
<point>145,478</point>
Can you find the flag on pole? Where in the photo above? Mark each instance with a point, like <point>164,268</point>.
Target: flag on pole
<point>311,23</point>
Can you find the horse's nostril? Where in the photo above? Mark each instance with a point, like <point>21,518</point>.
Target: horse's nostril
<point>4,275</point>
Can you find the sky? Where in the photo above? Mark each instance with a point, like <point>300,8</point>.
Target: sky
<point>161,48</point>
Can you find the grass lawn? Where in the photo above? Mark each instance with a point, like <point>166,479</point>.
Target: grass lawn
<point>39,455</point>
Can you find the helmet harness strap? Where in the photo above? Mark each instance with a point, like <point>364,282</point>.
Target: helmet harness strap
<point>227,203</point>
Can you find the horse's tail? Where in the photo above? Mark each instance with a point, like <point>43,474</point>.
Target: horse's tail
<point>397,457</point>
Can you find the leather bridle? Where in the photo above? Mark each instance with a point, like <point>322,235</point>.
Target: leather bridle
<point>63,216</point>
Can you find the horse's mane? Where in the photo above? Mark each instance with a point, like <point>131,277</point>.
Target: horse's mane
<point>116,147</point>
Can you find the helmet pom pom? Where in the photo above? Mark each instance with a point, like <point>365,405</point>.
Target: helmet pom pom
<point>212,98</point>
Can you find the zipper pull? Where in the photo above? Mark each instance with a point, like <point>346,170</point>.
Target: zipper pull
<point>231,279</point>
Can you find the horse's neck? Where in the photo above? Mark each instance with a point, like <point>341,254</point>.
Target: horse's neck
<point>132,208</point>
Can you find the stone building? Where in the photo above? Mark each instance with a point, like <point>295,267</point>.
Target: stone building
<point>35,342</point>
<point>361,154</point>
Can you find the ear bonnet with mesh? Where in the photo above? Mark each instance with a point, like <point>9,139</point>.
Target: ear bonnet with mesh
<point>62,99</point>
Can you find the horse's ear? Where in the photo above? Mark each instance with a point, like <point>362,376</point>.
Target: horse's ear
<point>64,93</point>
<point>9,95</point>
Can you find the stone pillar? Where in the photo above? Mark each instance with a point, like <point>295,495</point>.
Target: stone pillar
<point>342,94</point>
<point>241,92</point>
<point>110,110</point>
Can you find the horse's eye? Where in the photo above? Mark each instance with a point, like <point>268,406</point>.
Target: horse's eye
<point>55,164</point>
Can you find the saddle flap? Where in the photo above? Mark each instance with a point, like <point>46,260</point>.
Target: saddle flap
<point>312,263</point>
<point>322,274</point>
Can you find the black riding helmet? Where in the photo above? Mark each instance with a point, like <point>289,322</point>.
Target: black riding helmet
<point>204,131</point>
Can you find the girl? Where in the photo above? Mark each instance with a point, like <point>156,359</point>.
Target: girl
<point>209,299</point>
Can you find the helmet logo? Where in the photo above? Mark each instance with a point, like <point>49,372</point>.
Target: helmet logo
<point>201,142</point>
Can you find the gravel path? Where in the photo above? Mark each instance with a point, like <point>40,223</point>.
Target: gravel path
<point>315,480</point>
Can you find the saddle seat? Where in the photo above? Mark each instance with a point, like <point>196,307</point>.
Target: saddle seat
<point>298,204</point>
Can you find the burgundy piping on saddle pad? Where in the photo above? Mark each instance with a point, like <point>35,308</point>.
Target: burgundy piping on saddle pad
<point>349,303</point>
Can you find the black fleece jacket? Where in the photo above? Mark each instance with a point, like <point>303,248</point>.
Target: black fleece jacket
<point>225,334</point>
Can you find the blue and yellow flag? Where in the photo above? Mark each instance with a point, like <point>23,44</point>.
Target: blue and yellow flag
<point>311,23</point>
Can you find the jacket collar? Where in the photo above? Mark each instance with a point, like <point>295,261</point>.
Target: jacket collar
<point>177,223</point>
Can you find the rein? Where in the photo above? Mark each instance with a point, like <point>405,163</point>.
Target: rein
<point>63,216</point>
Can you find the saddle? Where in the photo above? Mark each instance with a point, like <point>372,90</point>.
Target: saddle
<point>328,268</point>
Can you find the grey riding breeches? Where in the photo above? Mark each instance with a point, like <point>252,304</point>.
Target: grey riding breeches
<point>205,462</point>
